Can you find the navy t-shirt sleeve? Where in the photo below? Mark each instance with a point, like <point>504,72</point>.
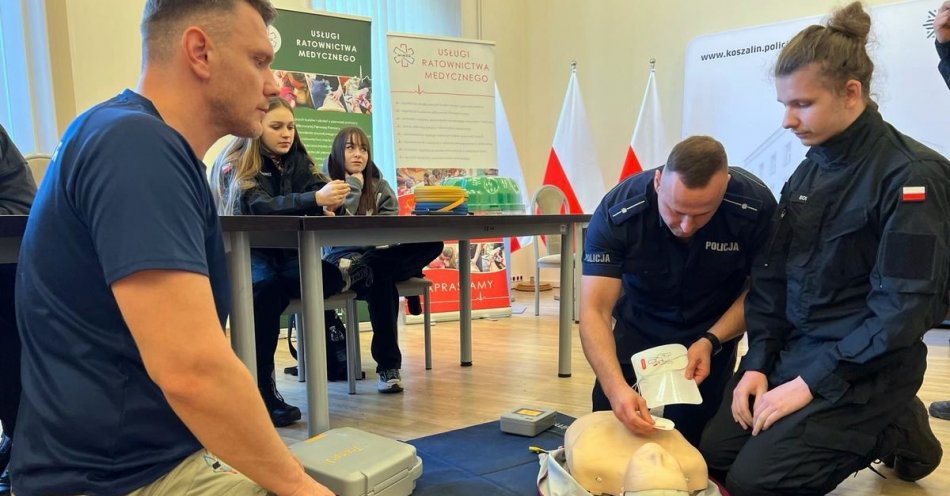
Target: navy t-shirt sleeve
<point>140,193</point>
<point>603,245</point>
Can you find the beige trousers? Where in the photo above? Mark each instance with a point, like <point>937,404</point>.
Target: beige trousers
<point>202,474</point>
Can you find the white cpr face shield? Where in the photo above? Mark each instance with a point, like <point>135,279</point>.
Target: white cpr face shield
<point>661,376</point>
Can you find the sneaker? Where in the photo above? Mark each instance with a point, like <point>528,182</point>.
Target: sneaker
<point>940,410</point>
<point>281,414</point>
<point>918,451</point>
<point>389,381</point>
<point>415,306</point>
<point>355,272</point>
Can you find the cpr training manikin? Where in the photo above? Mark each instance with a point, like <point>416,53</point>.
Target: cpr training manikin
<point>604,457</point>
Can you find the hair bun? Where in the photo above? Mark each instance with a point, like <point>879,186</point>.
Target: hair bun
<point>851,21</point>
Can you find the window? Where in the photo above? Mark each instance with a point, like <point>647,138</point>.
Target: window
<point>26,102</point>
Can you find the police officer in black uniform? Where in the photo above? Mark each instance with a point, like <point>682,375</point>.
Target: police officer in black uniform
<point>855,272</point>
<point>941,409</point>
<point>667,255</point>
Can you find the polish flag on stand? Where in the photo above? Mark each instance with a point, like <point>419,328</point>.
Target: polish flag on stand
<point>572,164</point>
<point>508,164</point>
<point>648,148</point>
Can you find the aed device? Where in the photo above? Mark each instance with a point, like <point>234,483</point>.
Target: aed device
<point>527,421</point>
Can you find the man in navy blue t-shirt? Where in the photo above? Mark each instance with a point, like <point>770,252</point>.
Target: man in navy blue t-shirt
<point>667,256</point>
<point>122,287</point>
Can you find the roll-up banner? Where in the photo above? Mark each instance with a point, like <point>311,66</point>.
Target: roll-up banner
<point>443,95</point>
<point>323,68</point>
<point>729,92</point>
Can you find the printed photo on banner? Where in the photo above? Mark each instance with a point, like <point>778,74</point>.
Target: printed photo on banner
<point>482,257</point>
<point>486,257</point>
<point>327,93</point>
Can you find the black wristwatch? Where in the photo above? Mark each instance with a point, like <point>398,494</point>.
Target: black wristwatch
<point>716,344</point>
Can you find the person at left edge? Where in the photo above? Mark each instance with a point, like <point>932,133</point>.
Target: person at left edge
<point>16,195</point>
<point>667,256</point>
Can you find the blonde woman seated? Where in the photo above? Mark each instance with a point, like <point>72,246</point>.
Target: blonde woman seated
<point>273,175</point>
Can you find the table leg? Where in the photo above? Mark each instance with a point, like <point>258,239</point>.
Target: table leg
<point>566,307</point>
<point>579,233</point>
<point>242,294</point>
<point>311,295</point>
<point>465,303</point>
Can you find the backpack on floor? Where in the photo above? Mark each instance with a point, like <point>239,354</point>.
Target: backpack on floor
<point>336,346</point>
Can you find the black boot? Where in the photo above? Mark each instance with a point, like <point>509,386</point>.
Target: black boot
<point>940,410</point>
<point>916,450</point>
<point>415,306</point>
<point>281,414</point>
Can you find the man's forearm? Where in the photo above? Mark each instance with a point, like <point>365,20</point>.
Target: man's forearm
<point>220,404</point>
<point>601,351</point>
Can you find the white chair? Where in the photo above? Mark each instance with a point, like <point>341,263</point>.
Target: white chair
<point>414,286</point>
<point>38,162</point>
<point>548,200</point>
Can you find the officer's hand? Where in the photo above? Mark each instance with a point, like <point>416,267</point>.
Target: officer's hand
<point>753,383</point>
<point>631,409</point>
<point>779,402</point>
<point>942,23</point>
<point>699,355</point>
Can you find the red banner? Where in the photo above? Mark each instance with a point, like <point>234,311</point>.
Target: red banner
<point>486,257</point>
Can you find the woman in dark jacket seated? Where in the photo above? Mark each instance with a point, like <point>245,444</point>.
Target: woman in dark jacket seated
<point>370,194</point>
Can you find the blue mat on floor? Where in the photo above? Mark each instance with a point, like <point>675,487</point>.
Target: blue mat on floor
<point>481,460</point>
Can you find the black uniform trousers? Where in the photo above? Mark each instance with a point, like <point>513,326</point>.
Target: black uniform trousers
<point>9,352</point>
<point>276,281</point>
<point>812,450</point>
<point>391,265</point>
<point>689,419</point>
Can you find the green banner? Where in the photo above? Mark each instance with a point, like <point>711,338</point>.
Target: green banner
<point>322,64</point>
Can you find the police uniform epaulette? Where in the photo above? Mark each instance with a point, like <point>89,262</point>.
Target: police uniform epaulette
<point>627,209</point>
<point>739,197</point>
<point>741,205</point>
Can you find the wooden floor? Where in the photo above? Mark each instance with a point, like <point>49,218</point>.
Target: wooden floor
<point>515,364</point>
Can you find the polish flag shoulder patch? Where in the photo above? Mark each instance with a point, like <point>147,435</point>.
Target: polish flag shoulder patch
<point>913,194</point>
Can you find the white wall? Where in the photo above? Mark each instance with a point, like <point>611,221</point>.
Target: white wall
<point>104,49</point>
